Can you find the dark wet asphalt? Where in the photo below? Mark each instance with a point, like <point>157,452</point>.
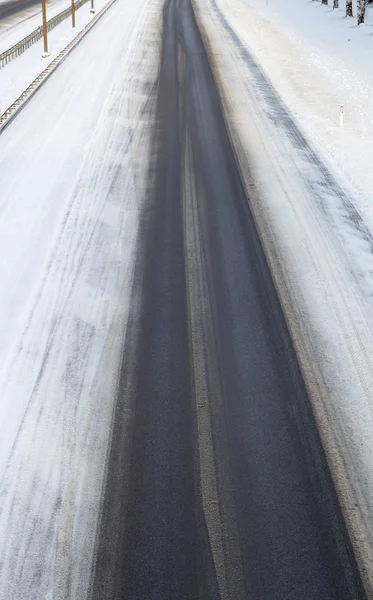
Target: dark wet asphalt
<point>12,8</point>
<point>275,496</point>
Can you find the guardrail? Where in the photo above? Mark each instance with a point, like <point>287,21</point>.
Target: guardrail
<point>36,35</point>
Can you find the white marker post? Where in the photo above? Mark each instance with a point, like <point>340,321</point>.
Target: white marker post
<point>341,116</point>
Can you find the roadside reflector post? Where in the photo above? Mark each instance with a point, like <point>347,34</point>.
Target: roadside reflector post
<point>92,11</point>
<point>45,29</point>
<point>341,116</point>
<point>73,13</point>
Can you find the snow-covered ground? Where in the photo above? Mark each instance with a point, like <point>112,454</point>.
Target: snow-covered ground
<point>19,25</point>
<point>310,185</point>
<point>21,72</point>
<point>318,60</point>
<point>327,35</point>
<point>72,175</point>
<point>314,77</point>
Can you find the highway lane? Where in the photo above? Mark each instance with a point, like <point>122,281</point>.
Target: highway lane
<point>157,552</point>
<point>9,9</point>
<point>217,483</point>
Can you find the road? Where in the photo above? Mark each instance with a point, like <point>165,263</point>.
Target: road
<point>221,487</point>
<point>156,436</point>
<point>12,8</point>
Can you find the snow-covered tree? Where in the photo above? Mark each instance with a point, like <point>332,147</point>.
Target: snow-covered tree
<point>361,5</point>
<point>324,2</point>
<point>349,8</point>
<point>335,3</point>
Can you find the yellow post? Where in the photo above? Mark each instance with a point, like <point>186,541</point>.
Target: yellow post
<point>73,12</point>
<point>45,30</point>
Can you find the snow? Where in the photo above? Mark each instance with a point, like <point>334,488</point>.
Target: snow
<point>327,33</point>
<point>305,48</point>
<point>72,172</point>
<point>313,83</point>
<point>21,72</point>
<point>21,24</point>
<point>281,99</point>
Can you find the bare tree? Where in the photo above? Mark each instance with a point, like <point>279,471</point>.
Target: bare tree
<point>361,5</point>
<point>349,8</point>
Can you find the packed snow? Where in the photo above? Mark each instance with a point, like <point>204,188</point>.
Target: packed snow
<point>72,172</point>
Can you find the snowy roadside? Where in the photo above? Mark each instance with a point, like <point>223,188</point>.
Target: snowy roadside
<point>318,60</point>
<point>331,40</point>
<point>318,246</point>
<point>21,72</point>
<point>16,27</point>
<point>73,174</point>
<point>313,83</point>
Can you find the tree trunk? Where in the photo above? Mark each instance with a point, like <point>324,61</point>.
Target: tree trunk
<point>335,3</point>
<point>349,8</point>
<point>360,11</point>
<point>324,2</point>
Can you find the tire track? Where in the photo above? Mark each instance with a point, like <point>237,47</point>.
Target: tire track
<point>153,541</point>
<point>218,485</point>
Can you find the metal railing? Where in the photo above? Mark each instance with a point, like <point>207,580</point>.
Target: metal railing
<point>36,35</point>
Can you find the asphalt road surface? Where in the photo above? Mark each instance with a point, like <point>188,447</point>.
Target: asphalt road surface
<point>217,485</point>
